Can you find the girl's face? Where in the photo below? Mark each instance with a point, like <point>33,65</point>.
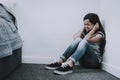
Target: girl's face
<point>88,26</point>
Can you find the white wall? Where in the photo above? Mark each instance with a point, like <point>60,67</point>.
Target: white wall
<point>47,26</point>
<point>111,17</point>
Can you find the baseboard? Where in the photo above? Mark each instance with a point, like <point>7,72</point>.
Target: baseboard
<point>37,60</point>
<point>114,70</point>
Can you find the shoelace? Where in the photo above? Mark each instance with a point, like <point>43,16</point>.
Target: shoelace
<point>54,62</point>
<point>64,65</point>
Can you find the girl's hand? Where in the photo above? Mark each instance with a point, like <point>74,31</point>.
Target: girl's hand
<point>96,27</point>
<point>91,33</point>
<point>78,34</point>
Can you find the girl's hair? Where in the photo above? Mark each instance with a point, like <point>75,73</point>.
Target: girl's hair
<point>94,18</point>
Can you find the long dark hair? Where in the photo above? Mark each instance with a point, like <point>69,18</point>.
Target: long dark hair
<point>94,18</point>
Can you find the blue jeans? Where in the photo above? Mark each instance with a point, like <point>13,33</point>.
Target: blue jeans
<point>79,50</point>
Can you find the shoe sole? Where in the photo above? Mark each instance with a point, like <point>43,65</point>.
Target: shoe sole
<point>62,73</point>
<point>50,68</point>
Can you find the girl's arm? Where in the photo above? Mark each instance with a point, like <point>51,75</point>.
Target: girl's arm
<point>90,36</point>
<point>78,34</point>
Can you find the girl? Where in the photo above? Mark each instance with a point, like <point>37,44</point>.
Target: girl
<point>86,47</point>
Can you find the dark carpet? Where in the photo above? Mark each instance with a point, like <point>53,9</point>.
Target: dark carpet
<point>37,72</point>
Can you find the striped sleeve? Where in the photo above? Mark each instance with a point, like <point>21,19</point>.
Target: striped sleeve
<point>100,34</point>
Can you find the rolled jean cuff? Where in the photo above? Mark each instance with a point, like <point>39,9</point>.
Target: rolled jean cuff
<point>62,57</point>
